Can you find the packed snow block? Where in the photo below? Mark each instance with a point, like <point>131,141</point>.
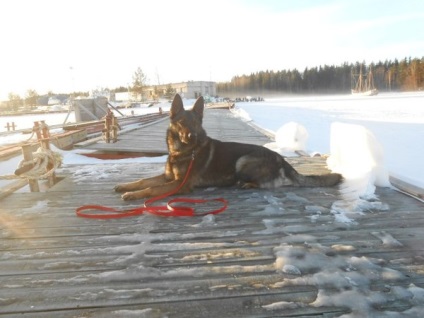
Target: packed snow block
<point>358,156</point>
<point>292,136</point>
<point>90,109</point>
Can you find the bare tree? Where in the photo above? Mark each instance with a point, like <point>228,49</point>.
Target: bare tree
<point>139,83</point>
<point>31,98</point>
<point>15,101</point>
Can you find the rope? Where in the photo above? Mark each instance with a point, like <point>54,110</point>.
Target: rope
<point>41,158</point>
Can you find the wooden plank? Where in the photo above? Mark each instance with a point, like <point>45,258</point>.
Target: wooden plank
<point>407,187</point>
<point>12,187</point>
<point>219,124</point>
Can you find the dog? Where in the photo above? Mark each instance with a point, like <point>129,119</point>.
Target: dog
<point>216,163</point>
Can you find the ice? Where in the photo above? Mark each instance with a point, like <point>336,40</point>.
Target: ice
<point>270,227</point>
<point>291,196</point>
<point>291,269</point>
<point>387,239</point>
<point>139,313</point>
<point>281,305</point>
<point>418,294</point>
<point>299,238</point>
<point>315,209</point>
<point>207,220</point>
<point>346,211</point>
<point>343,280</point>
<point>343,248</point>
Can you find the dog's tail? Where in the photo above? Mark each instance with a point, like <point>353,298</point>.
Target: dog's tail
<point>324,180</point>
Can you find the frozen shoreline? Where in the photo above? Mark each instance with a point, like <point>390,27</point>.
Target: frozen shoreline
<point>396,120</point>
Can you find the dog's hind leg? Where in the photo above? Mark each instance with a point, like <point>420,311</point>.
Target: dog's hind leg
<point>141,184</point>
<point>262,169</point>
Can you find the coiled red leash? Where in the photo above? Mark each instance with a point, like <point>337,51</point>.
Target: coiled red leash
<point>164,210</point>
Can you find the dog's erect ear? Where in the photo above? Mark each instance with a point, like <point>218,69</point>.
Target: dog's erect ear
<point>199,106</point>
<point>177,106</point>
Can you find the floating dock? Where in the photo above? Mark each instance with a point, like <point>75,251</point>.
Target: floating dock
<point>280,253</point>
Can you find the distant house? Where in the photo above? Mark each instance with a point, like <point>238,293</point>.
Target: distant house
<point>191,89</point>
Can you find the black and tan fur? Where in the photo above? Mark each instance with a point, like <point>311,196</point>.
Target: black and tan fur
<point>217,163</point>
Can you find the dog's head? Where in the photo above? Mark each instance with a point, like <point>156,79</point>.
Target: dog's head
<point>187,124</point>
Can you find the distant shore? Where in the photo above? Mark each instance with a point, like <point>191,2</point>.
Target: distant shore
<point>33,112</point>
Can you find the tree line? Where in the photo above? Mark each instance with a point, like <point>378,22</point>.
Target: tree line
<point>404,75</point>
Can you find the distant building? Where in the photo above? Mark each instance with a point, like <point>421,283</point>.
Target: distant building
<point>191,89</point>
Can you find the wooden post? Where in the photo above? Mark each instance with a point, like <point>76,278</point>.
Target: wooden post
<point>108,122</point>
<point>37,131</point>
<point>27,153</point>
<point>44,129</point>
<point>10,126</point>
<point>114,129</point>
<point>52,178</point>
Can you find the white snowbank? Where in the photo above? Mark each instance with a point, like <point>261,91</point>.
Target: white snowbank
<point>356,154</point>
<point>292,136</point>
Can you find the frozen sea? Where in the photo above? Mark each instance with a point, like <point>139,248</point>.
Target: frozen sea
<point>395,119</point>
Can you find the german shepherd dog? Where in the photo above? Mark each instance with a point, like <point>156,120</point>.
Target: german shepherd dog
<point>216,163</point>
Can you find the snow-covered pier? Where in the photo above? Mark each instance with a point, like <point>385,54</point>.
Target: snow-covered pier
<point>286,252</point>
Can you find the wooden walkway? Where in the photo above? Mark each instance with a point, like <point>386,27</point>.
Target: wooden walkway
<point>219,124</point>
<point>271,254</point>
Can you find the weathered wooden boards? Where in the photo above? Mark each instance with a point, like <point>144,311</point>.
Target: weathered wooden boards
<point>56,264</point>
<point>280,253</point>
<point>218,123</point>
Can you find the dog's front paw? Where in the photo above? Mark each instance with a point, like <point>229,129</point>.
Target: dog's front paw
<point>135,195</point>
<point>120,188</point>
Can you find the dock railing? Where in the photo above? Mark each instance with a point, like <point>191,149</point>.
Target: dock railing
<point>35,165</point>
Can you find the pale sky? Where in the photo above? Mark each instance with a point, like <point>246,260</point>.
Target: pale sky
<point>73,45</point>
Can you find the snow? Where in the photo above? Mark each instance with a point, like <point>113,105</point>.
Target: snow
<point>394,119</point>
<point>367,139</point>
<point>292,136</point>
<point>342,280</point>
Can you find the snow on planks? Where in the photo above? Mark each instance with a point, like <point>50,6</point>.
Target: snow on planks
<point>272,253</point>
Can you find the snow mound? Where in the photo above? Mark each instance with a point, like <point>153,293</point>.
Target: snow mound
<point>241,113</point>
<point>358,156</point>
<point>292,136</point>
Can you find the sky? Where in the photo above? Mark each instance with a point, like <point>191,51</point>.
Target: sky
<point>79,45</point>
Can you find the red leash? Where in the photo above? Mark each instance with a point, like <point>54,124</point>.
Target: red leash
<point>164,210</point>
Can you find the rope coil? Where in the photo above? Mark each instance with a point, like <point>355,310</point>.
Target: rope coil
<point>36,169</point>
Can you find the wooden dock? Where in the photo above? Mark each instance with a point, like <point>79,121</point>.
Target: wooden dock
<point>281,253</point>
<point>150,139</point>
